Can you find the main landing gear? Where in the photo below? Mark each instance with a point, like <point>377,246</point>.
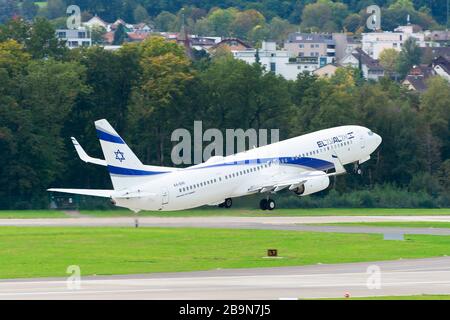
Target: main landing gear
<point>227,203</point>
<point>357,169</point>
<point>267,204</point>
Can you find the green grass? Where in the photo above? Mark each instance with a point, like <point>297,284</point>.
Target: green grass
<point>278,212</point>
<point>400,224</point>
<point>236,212</point>
<point>24,214</point>
<point>41,4</point>
<point>417,297</point>
<point>48,251</point>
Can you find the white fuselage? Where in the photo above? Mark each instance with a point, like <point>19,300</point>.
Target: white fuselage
<point>232,176</point>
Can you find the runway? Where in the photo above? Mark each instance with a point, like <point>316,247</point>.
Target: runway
<point>269,223</point>
<point>400,277</point>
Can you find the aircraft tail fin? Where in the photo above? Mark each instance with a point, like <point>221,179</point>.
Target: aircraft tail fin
<point>124,167</point>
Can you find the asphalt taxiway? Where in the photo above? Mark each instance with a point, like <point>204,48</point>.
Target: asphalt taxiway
<point>400,277</point>
<point>269,223</point>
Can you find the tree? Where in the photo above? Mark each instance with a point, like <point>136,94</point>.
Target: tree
<point>140,14</point>
<point>389,60</point>
<point>166,75</point>
<point>43,42</point>
<point>352,22</point>
<point>435,104</point>
<point>165,21</point>
<point>55,9</point>
<point>278,29</point>
<point>245,21</point>
<point>120,35</point>
<point>316,15</point>
<point>48,91</point>
<point>324,15</point>
<point>97,33</point>
<point>408,57</point>
<point>13,58</point>
<point>402,4</point>
<point>8,9</point>
<point>221,21</point>
<point>29,9</point>
<point>15,29</point>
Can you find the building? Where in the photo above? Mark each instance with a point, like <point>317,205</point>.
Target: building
<point>441,67</point>
<point>429,54</point>
<point>277,61</point>
<point>373,43</point>
<point>326,71</point>
<point>371,68</point>
<point>75,38</point>
<point>345,45</point>
<point>204,43</point>
<point>417,76</point>
<point>310,45</point>
<point>231,44</point>
<point>96,21</point>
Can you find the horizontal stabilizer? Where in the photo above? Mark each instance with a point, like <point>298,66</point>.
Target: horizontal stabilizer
<point>86,192</point>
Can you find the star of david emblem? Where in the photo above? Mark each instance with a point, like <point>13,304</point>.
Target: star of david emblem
<point>119,155</point>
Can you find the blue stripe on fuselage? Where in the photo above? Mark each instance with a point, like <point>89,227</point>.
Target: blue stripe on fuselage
<point>132,172</point>
<point>109,137</point>
<point>313,163</point>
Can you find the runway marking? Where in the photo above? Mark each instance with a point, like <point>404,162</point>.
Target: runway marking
<point>132,281</point>
<point>80,291</point>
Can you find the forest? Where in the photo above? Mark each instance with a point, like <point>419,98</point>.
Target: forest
<point>146,90</point>
<point>250,20</point>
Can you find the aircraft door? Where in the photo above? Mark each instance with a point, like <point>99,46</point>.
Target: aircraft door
<point>362,142</point>
<point>165,195</point>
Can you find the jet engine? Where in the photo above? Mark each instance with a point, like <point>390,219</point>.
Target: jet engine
<point>312,186</point>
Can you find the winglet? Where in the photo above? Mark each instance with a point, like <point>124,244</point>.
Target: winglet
<point>84,156</point>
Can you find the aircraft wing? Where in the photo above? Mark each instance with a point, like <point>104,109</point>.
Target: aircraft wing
<point>84,156</point>
<point>86,192</point>
<point>297,180</point>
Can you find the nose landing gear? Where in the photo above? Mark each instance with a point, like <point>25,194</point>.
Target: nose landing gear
<point>357,169</point>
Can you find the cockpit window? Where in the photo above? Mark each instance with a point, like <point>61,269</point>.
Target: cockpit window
<point>370,133</point>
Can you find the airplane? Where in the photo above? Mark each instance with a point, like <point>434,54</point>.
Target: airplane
<point>302,164</point>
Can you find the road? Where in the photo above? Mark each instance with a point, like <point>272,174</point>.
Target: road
<point>400,277</point>
<point>270,223</point>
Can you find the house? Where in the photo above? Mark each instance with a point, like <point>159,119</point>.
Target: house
<point>108,37</point>
<point>371,68</point>
<point>345,45</point>
<point>204,43</point>
<point>136,36</point>
<point>373,43</point>
<point>95,21</point>
<point>326,71</point>
<point>75,38</point>
<point>441,67</point>
<point>417,76</point>
<point>431,53</point>
<point>278,61</point>
<point>310,45</point>
<point>440,36</point>
<point>231,44</point>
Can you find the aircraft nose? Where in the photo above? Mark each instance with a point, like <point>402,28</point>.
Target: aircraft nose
<point>378,139</point>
